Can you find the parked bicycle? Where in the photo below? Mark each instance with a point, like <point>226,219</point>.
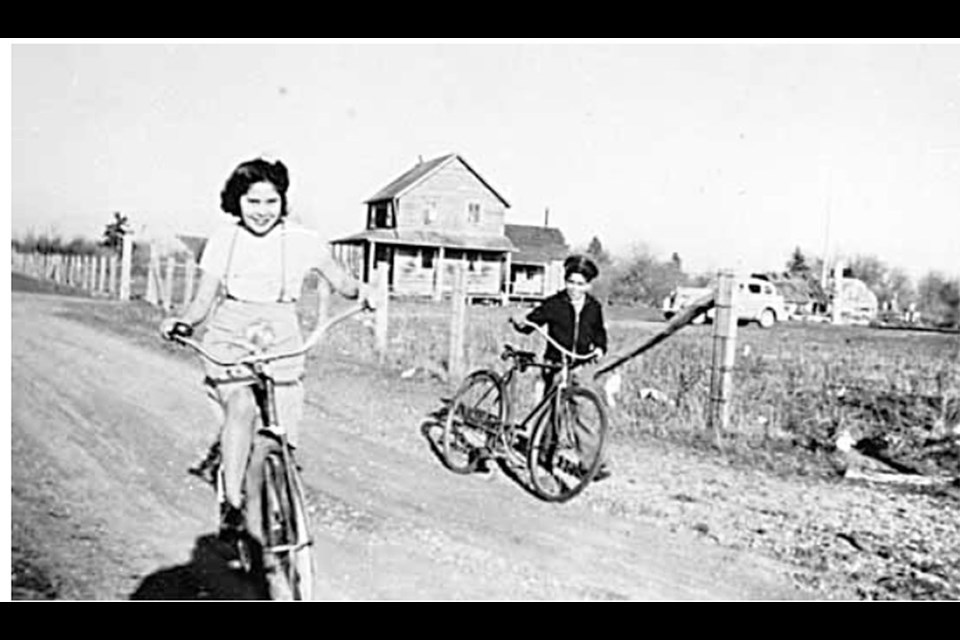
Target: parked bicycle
<point>548,441</point>
<point>274,503</point>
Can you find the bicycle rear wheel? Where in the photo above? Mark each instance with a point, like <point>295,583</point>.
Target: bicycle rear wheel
<point>476,412</point>
<point>566,445</point>
<point>288,561</point>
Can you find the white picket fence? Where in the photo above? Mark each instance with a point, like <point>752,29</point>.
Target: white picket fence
<point>97,274</point>
<point>170,280</point>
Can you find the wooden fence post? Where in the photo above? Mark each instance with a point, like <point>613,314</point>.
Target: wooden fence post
<point>111,274</point>
<point>724,354</point>
<point>458,323</point>
<point>153,276</point>
<point>382,315</point>
<point>189,273</point>
<point>91,273</point>
<point>100,274</point>
<point>126,264</point>
<point>168,282</point>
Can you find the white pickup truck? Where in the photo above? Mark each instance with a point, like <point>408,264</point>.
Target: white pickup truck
<point>756,300</point>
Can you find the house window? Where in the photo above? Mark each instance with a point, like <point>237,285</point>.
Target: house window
<point>426,258</point>
<point>430,213</point>
<point>381,216</point>
<point>473,212</point>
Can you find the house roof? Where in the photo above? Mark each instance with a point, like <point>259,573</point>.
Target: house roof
<point>431,239</point>
<point>420,172</point>
<point>536,243</point>
<point>794,289</point>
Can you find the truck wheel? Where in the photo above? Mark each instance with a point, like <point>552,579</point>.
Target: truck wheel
<point>767,319</point>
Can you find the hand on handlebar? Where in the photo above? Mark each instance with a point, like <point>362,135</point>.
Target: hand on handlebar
<point>171,328</point>
<point>520,325</point>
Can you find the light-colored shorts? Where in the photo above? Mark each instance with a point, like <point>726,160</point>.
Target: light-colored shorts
<point>227,330</point>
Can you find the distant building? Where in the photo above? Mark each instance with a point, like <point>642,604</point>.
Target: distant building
<point>853,302</point>
<point>441,213</point>
<point>801,296</point>
<point>437,214</point>
<point>536,267</point>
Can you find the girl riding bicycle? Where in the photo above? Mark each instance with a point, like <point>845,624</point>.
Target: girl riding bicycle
<point>252,271</point>
<point>574,318</point>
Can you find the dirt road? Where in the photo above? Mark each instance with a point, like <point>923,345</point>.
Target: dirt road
<point>103,430</point>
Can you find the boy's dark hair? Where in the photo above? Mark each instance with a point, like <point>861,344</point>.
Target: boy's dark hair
<point>252,172</point>
<point>580,264</point>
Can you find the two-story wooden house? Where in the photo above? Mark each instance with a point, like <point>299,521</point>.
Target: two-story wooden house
<point>438,214</point>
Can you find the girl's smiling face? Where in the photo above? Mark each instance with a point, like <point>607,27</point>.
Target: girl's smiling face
<point>260,207</point>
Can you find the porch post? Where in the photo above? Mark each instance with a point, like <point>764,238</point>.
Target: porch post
<point>507,264</point>
<point>373,250</point>
<point>438,275</point>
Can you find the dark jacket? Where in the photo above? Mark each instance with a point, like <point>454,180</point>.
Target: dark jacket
<point>563,326</point>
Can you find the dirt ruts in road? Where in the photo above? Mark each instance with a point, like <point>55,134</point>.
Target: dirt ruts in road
<point>103,430</point>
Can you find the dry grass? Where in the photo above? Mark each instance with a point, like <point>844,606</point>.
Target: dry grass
<point>795,386</point>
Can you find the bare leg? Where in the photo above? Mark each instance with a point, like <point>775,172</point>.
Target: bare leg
<point>241,411</point>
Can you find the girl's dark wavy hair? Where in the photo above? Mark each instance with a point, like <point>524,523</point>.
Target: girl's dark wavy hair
<point>251,172</point>
<point>580,264</point>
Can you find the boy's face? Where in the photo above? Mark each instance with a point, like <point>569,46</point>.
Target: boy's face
<point>577,286</point>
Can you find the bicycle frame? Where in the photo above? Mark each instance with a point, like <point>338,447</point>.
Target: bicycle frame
<point>560,382</point>
<point>258,364</point>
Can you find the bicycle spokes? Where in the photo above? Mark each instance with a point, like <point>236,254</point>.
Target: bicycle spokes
<point>472,422</point>
<point>566,445</point>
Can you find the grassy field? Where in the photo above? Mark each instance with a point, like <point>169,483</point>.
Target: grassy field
<point>795,386</point>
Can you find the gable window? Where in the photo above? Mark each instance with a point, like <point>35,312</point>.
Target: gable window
<point>381,216</point>
<point>473,213</point>
<point>430,213</point>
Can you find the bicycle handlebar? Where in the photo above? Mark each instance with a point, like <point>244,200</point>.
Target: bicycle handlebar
<point>252,359</point>
<point>546,336</point>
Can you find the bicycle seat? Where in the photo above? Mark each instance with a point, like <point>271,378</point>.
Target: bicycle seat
<point>523,358</point>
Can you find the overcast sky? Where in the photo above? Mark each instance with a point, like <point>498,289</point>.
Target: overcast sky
<point>730,153</point>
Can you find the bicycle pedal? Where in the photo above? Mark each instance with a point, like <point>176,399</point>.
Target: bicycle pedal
<point>236,564</point>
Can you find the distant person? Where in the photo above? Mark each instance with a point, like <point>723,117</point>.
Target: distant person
<point>252,271</point>
<point>573,318</point>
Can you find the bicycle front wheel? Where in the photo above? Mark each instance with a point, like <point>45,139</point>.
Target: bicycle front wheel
<point>566,445</point>
<point>476,412</point>
<point>288,561</point>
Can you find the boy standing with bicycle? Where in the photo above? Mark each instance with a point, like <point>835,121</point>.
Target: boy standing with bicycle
<point>573,318</point>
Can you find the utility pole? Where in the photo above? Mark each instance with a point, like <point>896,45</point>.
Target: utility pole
<point>826,236</point>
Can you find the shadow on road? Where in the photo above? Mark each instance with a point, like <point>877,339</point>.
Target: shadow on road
<point>432,430</point>
<point>208,576</point>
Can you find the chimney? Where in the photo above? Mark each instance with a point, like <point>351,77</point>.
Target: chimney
<point>546,217</point>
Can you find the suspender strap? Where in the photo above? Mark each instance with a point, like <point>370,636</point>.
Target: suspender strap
<point>283,262</point>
